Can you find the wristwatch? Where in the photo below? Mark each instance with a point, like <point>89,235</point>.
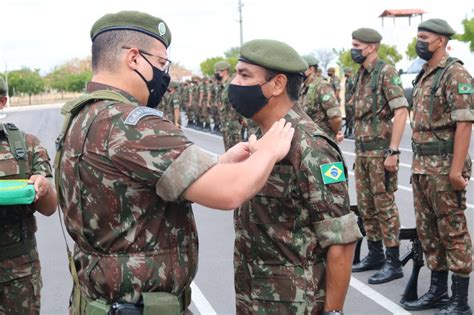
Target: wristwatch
<point>390,151</point>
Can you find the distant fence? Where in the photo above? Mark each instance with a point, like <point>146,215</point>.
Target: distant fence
<point>46,98</point>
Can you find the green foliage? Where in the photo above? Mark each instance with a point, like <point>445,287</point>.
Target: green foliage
<point>468,35</point>
<point>207,66</point>
<point>25,81</point>
<point>387,53</point>
<point>64,79</point>
<point>233,52</point>
<point>411,50</point>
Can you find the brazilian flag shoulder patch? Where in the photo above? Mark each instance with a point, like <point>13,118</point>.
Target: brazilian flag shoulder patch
<point>326,97</point>
<point>333,173</point>
<point>465,88</point>
<point>396,80</point>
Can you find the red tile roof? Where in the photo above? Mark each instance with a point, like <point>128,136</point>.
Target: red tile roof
<point>402,12</point>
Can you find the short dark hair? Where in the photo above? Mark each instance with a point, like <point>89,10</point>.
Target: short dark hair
<point>292,86</point>
<point>107,47</point>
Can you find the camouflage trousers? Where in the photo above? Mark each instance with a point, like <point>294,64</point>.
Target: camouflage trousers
<point>376,200</point>
<point>441,224</point>
<point>349,116</point>
<point>231,137</point>
<point>21,296</point>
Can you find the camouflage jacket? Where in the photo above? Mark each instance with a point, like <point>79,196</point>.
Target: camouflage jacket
<point>453,102</point>
<point>389,97</point>
<point>173,102</point>
<point>283,233</point>
<point>20,224</point>
<point>122,174</point>
<point>349,90</point>
<point>335,83</point>
<point>320,103</point>
<point>230,119</point>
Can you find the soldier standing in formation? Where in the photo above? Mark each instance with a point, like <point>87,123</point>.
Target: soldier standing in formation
<point>443,112</point>
<point>335,83</point>
<point>126,177</point>
<point>22,157</point>
<point>318,100</point>
<point>348,104</point>
<point>295,239</point>
<point>378,98</point>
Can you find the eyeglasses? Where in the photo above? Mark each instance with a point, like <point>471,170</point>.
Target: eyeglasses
<point>164,62</point>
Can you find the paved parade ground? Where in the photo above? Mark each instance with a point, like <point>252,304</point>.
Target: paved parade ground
<point>213,288</point>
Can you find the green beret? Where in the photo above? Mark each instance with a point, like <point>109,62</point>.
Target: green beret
<point>133,21</point>
<point>311,60</point>
<point>347,70</point>
<point>272,55</point>
<point>221,65</point>
<point>331,69</point>
<point>3,87</point>
<point>173,85</point>
<point>436,26</point>
<point>367,35</point>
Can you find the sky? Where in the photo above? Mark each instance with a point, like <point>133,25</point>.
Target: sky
<point>47,33</point>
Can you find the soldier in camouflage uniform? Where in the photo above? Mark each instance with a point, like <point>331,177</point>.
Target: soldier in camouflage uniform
<point>204,103</point>
<point>318,100</point>
<point>230,120</point>
<point>194,101</point>
<point>22,157</point>
<point>295,239</point>
<point>173,106</point>
<point>443,112</point>
<point>348,104</point>
<point>127,177</point>
<point>378,98</point>
<point>335,83</point>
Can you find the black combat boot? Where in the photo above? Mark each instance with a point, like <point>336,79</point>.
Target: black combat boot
<point>374,259</point>
<point>436,297</point>
<point>457,304</point>
<point>391,270</point>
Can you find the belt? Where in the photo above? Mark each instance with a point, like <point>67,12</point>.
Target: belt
<point>433,148</point>
<point>372,145</point>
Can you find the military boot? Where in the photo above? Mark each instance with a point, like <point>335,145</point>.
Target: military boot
<point>391,270</point>
<point>436,297</point>
<point>374,259</point>
<point>457,304</point>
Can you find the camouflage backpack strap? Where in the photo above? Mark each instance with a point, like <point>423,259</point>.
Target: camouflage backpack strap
<point>16,139</point>
<point>436,82</point>
<point>374,83</point>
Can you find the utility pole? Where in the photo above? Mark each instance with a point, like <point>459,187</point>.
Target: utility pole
<point>240,22</point>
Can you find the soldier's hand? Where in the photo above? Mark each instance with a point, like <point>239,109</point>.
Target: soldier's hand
<point>391,163</point>
<point>339,137</point>
<point>276,140</point>
<point>458,181</point>
<point>238,153</point>
<point>41,185</point>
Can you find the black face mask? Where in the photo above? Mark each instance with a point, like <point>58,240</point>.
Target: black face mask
<point>357,56</point>
<point>247,100</point>
<point>423,51</point>
<point>157,86</point>
<point>217,76</point>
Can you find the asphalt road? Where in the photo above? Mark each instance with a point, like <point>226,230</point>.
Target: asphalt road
<point>213,286</point>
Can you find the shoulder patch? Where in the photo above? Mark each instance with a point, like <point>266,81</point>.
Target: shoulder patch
<point>465,88</point>
<point>138,113</point>
<point>333,173</point>
<point>396,80</point>
<point>326,97</point>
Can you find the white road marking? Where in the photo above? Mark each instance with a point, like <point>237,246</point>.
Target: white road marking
<point>377,297</point>
<point>200,301</point>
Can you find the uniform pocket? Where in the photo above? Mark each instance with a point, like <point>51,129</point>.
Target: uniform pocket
<point>8,166</point>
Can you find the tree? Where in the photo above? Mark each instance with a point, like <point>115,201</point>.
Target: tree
<point>207,66</point>
<point>25,81</point>
<point>232,52</point>
<point>325,56</point>
<point>468,35</point>
<point>411,50</point>
<point>387,53</point>
<point>68,79</point>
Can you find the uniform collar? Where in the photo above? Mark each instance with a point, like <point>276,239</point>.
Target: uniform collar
<point>95,86</point>
<point>442,63</point>
<point>371,66</point>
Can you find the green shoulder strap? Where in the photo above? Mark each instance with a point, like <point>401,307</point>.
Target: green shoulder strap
<point>436,82</point>
<point>374,81</point>
<point>16,139</point>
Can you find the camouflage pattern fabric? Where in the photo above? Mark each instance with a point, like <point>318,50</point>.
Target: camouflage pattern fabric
<point>204,90</point>
<point>173,102</point>
<point>320,103</point>
<point>440,219</point>
<point>372,195</point>
<point>230,120</point>
<point>349,106</point>
<point>20,277</point>
<point>390,96</point>
<point>375,189</point>
<point>122,174</point>
<point>283,233</point>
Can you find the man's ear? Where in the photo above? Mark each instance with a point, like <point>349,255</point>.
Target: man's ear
<point>132,58</point>
<point>279,85</point>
